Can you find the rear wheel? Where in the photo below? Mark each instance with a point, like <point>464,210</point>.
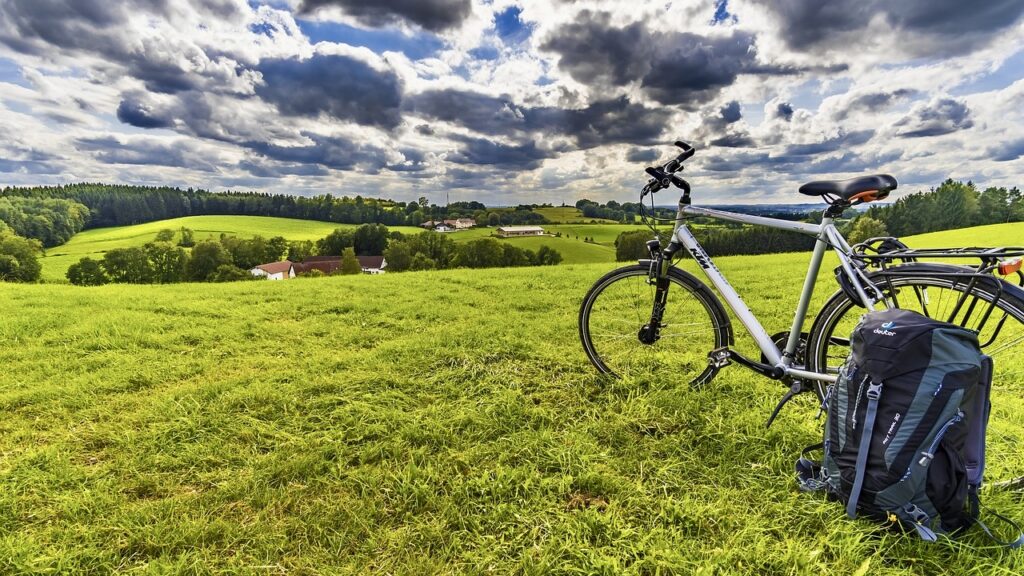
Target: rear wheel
<point>614,318</point>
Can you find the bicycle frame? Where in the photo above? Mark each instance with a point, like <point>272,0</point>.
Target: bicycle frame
<point>826,235</point>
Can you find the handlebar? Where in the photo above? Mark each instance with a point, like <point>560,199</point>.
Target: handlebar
<point>664,176</point>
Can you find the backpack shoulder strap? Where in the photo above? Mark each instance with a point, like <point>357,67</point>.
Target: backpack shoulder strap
<point>974,445</point>
<point>873,394</point>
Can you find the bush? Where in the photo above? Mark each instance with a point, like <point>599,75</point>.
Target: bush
<point>349,262</point>
<point>19,258</point>
<point>128,266</point>
<point>87,272</point>
<point>207,257</point>
<point>230,273</point>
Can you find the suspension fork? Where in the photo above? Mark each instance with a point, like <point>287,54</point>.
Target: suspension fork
<point>661,261</point>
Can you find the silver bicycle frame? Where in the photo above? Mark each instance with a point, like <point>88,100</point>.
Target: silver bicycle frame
<point>826,235</point>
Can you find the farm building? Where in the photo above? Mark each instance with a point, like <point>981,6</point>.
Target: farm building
<point>511,231</point>
<point>329,264</point>
<point>449,225</point>
<point>275,270</point>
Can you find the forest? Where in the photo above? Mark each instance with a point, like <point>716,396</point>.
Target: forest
<point>121,205</point>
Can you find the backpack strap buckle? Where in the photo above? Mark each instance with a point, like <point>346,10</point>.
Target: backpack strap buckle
<point>874,391</point>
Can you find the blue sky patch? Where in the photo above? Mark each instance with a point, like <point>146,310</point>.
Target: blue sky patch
<point>417,46</point>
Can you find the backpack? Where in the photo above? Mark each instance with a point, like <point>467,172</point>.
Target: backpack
<point>904,438</point>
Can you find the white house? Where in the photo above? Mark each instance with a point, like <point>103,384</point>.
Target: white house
<point>372,264</point>
<point>464,223</point>
<point>511,231</point>
<point>275,270</point>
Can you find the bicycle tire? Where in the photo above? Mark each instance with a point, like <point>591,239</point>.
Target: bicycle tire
<point>660,355</point>
<point>825,347</point>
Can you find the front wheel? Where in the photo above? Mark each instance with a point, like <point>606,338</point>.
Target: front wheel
<point>615,330</point>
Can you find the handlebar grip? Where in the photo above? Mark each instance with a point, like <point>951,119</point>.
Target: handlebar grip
<point>655,173</point>
<point>687,150</point>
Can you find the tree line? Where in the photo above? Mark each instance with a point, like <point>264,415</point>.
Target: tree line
<point>121,205</point>
<point>951,205</point>
<point>52,221</point>
<point>19,257</point>
<point>230,258</point>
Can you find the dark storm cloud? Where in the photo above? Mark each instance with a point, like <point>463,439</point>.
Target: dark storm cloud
<point>434,15</point>
<point>873,101</point>
<point>110,150</point>
<point>951,25</point>
<point>131,111</point>
<point>739,140</point>
<point>784,110</point>
<point>672,67</point>
<point>645,155</point>
<point>277,170</point>
<point>28,167</point>
<point>338,86</point>
<point>331,152</point>
<point>602,122</point>
<point>480,151</point>
<point>938,117</point>
<point>1008,152</point>
<point>591,50</point>
<point>731,112</point>
<point>844,140</point>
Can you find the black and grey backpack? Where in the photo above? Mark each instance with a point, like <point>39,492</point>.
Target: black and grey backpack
<point>904,438</point>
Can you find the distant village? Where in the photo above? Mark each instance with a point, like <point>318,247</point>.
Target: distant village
<point>327,265</point>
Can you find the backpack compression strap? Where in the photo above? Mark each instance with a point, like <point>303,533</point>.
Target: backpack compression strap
<point>874,393</point>
<point>975,508</point>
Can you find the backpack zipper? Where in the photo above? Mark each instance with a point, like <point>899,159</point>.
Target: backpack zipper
<point>927,456</point>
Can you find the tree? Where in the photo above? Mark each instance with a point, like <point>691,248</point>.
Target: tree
<point>631,245</point>
<point>276,249</point>
<point>370,239</point>
<point>128,266</point>
<point>165,235</point>
<point>420,262</point>
<point>20,258</point>
<point>493,219</point>
<point>87,272</point>
<point>349,262</point>
<point>334,243</point>
<point>168,262</point>
<point>230,273</point>
<point>207,257</point>
<point>866,227</point>
<point>547,256</point>
<point>399,256</point>
<point>187,238</point>
<point>300,250</point>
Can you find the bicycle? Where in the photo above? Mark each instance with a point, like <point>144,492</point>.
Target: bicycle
<point>693,335</point>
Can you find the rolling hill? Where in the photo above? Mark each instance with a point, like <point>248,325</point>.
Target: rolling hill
<point>430,422</point>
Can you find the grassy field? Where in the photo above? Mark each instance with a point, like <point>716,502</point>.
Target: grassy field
<point>94,243</point>
<point>419,423</point>
<point>566,215</point>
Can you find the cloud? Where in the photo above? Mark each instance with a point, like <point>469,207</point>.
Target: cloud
<point>481,151</point>
<point>671,67</point>
<point>332,152</point>
<point>643,155</point>
<point>935,118</point>
<point>1010,151</point>
<point>131,111</point>
<point>872,101</point>
<point>922,26</point>
<point>602,122</point>
<point>339,86</point>
<point>145,152</point>
<point>434,15</point>
<point>731,112</point>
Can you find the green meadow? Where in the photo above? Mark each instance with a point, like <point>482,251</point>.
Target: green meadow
<point>94,243</point>
<point>420,423</point>
<point>567,215</point>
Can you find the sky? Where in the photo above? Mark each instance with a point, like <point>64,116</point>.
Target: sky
<point>510,101</point>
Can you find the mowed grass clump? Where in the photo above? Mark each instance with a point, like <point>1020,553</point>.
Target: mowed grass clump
<point>436,422</point>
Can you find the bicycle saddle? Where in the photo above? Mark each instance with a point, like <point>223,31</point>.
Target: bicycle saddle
<point>862,188</point>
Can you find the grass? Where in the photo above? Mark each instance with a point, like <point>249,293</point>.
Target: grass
<point>419,423</point>
<point>567,215</point>
<point>94,243</point>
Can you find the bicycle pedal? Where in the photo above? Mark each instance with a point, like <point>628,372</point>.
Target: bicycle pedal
<point>720,357</point>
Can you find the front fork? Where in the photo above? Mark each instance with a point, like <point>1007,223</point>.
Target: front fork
<point>661,260</point>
